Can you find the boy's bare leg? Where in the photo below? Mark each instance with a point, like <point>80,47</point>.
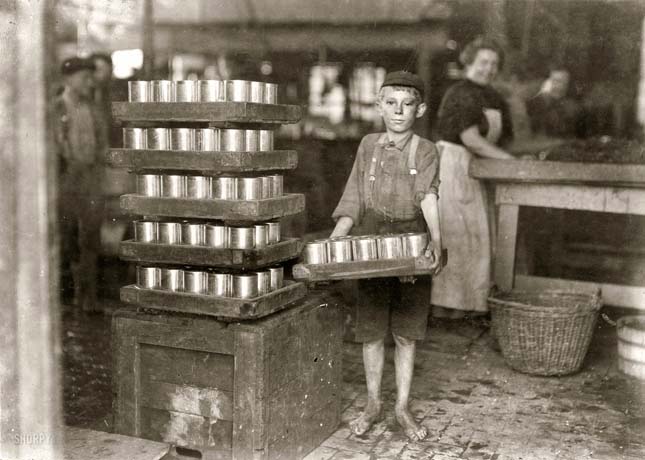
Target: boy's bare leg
<point>373,359</point>
<point>404,366</point>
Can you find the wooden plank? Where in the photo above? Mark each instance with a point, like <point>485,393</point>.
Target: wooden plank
<point>226,210</point>
<point>612,294</point>
<point>206,402</point>
<point>207,112</point>
<point>560,172</point>
<point>221,307</point>
<point>204,163</point>
<point>83,444</point>
<point>578,197</point>
<point>125,381</point>
<point>207,256</point>
<point>506,246</point>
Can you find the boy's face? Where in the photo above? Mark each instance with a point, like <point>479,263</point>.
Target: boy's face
<point>399,108</point>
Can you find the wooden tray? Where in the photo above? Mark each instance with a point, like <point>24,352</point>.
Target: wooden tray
<point>221,307</point>
<point>206,163</point>
<point>206,256</point>
<point>226,210</point>
<point>409,266</point>
<point>206,112</point>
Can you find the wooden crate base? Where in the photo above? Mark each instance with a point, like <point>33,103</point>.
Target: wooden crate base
<point>220,307</point>
<point>206,256</point>
<point>262,389</point>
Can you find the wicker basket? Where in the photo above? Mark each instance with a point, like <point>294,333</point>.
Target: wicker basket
<point>544,333</point>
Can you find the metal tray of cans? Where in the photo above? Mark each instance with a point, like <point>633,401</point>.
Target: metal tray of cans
<point>221,307</point>
<point>135,251</point>
<point>226,210</point>
<point>207,163</point>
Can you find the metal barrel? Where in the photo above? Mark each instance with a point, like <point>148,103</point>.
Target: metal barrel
<point>265,140</point>
<point>173,186</point>
<point>184,91</point>
<point>237,90</point>
<point>261,236</point>
<point>277,184</point>
<point>169,232</point>
<point>249,188</point>
<point>245,286</point>
<point>160,91</point>
<point>210,91</point>
<point>149,185</point>
<point>224,188</point>
<point>148,277</point>
<point>390,247</point>
<point>134,138</point>
<point>251,140</point>
<point>264,281</point>
<point>207,139</point>
<point>198,187</point>
<point>270,93</point>
<point>414,244</point>
<point>139,91</point>
<point>233,140</point>
<point>216,235</point>
<point>256,91</point>
<point>158,138</point>
<point>241,237</point>
<point>193,234</point>
<point>340,250</point>
<point>182,139</point>
<point>365,248</point>
<point>273,230</point>
<point>316,252</point>
<point>220,284</point>
<point>277,277</point>
<point>267,186</point>
<point>172,279</point>
<point>146,231</point>
<point>195,281</point>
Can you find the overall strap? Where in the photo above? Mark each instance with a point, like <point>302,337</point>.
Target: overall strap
<point>412,155</point>
<point>373,162</point>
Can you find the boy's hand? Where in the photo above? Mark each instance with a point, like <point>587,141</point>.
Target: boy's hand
<point>433,252</point>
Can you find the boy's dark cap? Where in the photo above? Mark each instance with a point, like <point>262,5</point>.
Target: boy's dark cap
<point>403,78</point>
<point>76,64</point>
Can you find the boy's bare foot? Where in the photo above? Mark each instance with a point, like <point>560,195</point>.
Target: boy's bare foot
<point>411,428</point>
<point>364,422</point>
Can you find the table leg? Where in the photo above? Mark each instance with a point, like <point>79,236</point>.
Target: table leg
<point>506,243</point>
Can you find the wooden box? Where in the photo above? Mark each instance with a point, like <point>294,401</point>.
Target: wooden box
<point>263,389</point>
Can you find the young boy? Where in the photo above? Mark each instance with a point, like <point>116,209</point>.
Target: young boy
<point>393,189</point>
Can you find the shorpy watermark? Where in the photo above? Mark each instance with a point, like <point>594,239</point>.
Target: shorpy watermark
<point>29,439</point>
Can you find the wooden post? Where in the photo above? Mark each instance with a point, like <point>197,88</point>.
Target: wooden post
<point>148,40</point>
<point>424,71</point>
<point>506,243</point>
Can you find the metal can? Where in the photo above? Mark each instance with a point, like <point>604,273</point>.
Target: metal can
<point>390,247</point>
<point>224,188</point>
<point>249,188</point>
<point>414,244</point>
<point>134,138</point>
<point>340,250</point>
<point>233,140</point>
<point>261,236</point>
<point>158,138</point>
<point>245,286</point>
<point>139,91</point>
<point>273,230</point>
<point>210,91</point>
<point>207,139</point>
<point>195,282</point>
<point>169,232</point>
<point>364,248</point>
<point>266,140</point>
<point>267,187</point>
<point>193,234</point>
<point>216,235</point>
<point>277,187</point>
<point>270,93</point>
<point>148,277</point>
<point>237,90</point>
<point>198,187</point>
<point>256,92</point>
<point>182,139</point>
<point>251,140</point>
<point>264,282</point>
<point>316,252</point>
<point>146,231</point>
<point>241,237</point>
<point>148,185</point>
<point>184,91</point>
<point>172,279</point>
<point>220,284</point>
<point>173,186</point>
<point>160,91</point>
<point>277,277</point>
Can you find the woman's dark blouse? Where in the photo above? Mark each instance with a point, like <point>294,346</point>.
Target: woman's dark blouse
<point>463,106</point>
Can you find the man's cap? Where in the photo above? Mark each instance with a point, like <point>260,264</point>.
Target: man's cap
<point>76,64</point>
<point>404,78</point>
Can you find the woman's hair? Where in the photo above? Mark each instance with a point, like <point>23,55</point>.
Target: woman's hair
<point>469,53</point>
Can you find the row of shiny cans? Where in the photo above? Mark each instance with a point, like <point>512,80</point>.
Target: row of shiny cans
<point>243,286</point>
<point>201,139</point>
<point>206,187</point>
<point>202,91</point>
<point>207,234</point>
<point>362,248</point>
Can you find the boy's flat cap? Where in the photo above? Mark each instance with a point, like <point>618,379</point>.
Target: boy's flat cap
<point>76,64</point>
<point>404,78</point>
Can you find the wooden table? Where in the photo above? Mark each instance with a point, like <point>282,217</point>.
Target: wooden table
<point>608,188</point>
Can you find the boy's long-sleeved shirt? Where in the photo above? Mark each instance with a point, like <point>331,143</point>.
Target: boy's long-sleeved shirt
<point>395,193</point>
